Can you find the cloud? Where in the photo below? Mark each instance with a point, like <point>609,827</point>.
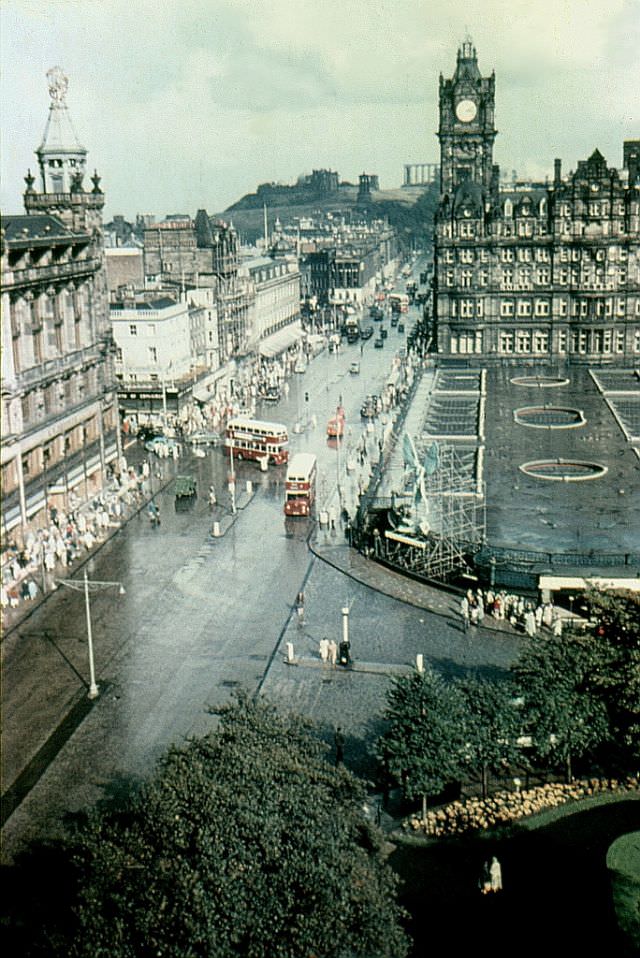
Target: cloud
<point>194,102</point>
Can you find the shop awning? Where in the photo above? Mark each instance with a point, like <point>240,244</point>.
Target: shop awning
<point>277,343</point>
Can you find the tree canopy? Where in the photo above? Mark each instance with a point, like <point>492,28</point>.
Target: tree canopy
<point>422,748</point>
<point>564,716</point>
<point>246,842</point>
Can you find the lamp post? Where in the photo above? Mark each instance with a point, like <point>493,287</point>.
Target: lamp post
<point>86,585</point>
<point>232,479</point>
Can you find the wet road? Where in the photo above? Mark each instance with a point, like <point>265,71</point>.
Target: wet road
<point>201,617</point>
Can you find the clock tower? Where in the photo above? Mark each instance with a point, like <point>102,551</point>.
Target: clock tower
<point>467,129</point>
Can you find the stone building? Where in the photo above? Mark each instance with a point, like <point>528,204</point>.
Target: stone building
<point>274,314</point>
<point>158,342</point>
<point>538,270</point>
<point>203,253</point>
<point>59,407</point>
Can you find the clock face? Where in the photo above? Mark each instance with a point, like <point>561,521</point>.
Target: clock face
<point>466,110</point>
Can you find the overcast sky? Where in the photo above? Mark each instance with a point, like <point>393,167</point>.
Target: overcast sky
<point>192,103</point>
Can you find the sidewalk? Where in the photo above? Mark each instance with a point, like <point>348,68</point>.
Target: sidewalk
<point>333,549</point>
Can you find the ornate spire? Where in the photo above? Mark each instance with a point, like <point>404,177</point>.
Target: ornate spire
<point>60,155</point>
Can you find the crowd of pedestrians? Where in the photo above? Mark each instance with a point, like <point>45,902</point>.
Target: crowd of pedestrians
<point>522,614</point>
<point>30,567</point>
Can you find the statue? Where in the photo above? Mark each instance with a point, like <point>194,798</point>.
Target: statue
<point>419,516</point>
<point>58,85</point>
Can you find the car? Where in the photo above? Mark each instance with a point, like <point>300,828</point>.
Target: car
<point>366,332</point>
<point>354,368</point>
<point>162,445</point>
<point>383,332</point>
<point>368,409</point>
<point>379,342</point>
<point>147,433</point>
<point>395,319</point>
<point>271,394</point>
<point>401,327</point>
<point>300,366</point>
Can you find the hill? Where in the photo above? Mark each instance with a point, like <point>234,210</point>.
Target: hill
<point>411,212</point>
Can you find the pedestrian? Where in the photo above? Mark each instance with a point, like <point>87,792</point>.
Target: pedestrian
<point>333,653</point>
<point>338,740</point>
<point>496,875</point>
<point>324,650</point>
<point>473,613</point>
<point>464,612</point>
<point>484,882</point>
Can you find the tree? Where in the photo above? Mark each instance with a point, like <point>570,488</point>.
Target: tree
<point>246,842</point>
<point>563,714</point>
<point>492,725</point>
<point>423,745</point>
<point>616,635</point>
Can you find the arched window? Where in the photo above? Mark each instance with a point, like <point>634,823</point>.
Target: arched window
<point>508,208</point>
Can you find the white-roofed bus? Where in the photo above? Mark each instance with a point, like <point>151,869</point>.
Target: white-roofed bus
<point>254,439</point>
<point>300,485</point>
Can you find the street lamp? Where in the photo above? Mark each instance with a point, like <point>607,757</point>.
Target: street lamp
<point>86,586</point>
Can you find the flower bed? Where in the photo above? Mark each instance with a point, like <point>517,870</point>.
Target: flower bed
<point>502,808</point>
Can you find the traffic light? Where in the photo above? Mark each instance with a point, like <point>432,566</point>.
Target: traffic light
<point>306,397</point>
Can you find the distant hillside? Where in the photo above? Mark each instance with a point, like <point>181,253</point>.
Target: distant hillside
<point>410,212</point>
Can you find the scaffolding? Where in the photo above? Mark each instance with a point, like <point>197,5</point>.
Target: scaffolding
<point>455,522</point>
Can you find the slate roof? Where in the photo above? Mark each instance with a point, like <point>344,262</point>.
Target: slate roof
<point>25,230</point>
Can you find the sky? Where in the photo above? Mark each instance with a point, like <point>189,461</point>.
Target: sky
<point>192,103</point>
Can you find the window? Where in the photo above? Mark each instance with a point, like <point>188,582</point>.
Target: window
<point>563,308</point>
<point>133,329</point>
<point>153,354</point>
<point>507,278</point>
<point>506,307</point>
<point>540,341</point>
<point>619,340</point>
<point>524,307</point>
<point>542,307</point>
<point>466,277</point>
<point>466,256</point>
<point>636,340</point>
<point>151,329</point>
<point>38,354</point>
<point>543,276</point>
<point>562,341</point>
<point>505,344</point>
<point>466,307</point>
<point>118,354</point>
<point>523,341</point>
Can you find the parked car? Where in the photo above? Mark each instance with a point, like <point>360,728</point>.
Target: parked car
<point>300,366</point>
<point>146,433</point>
<point>379,342</point>
<point>401,327</point>
<point>354,368</point>
<point>368,409</point>
<point>272,394</point>
<point>162,442</point>
<point>384,332</point>
<point>366,332</point>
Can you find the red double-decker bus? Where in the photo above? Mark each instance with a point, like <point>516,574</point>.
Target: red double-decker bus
<point>254,439</point>
<point>300,486</point>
